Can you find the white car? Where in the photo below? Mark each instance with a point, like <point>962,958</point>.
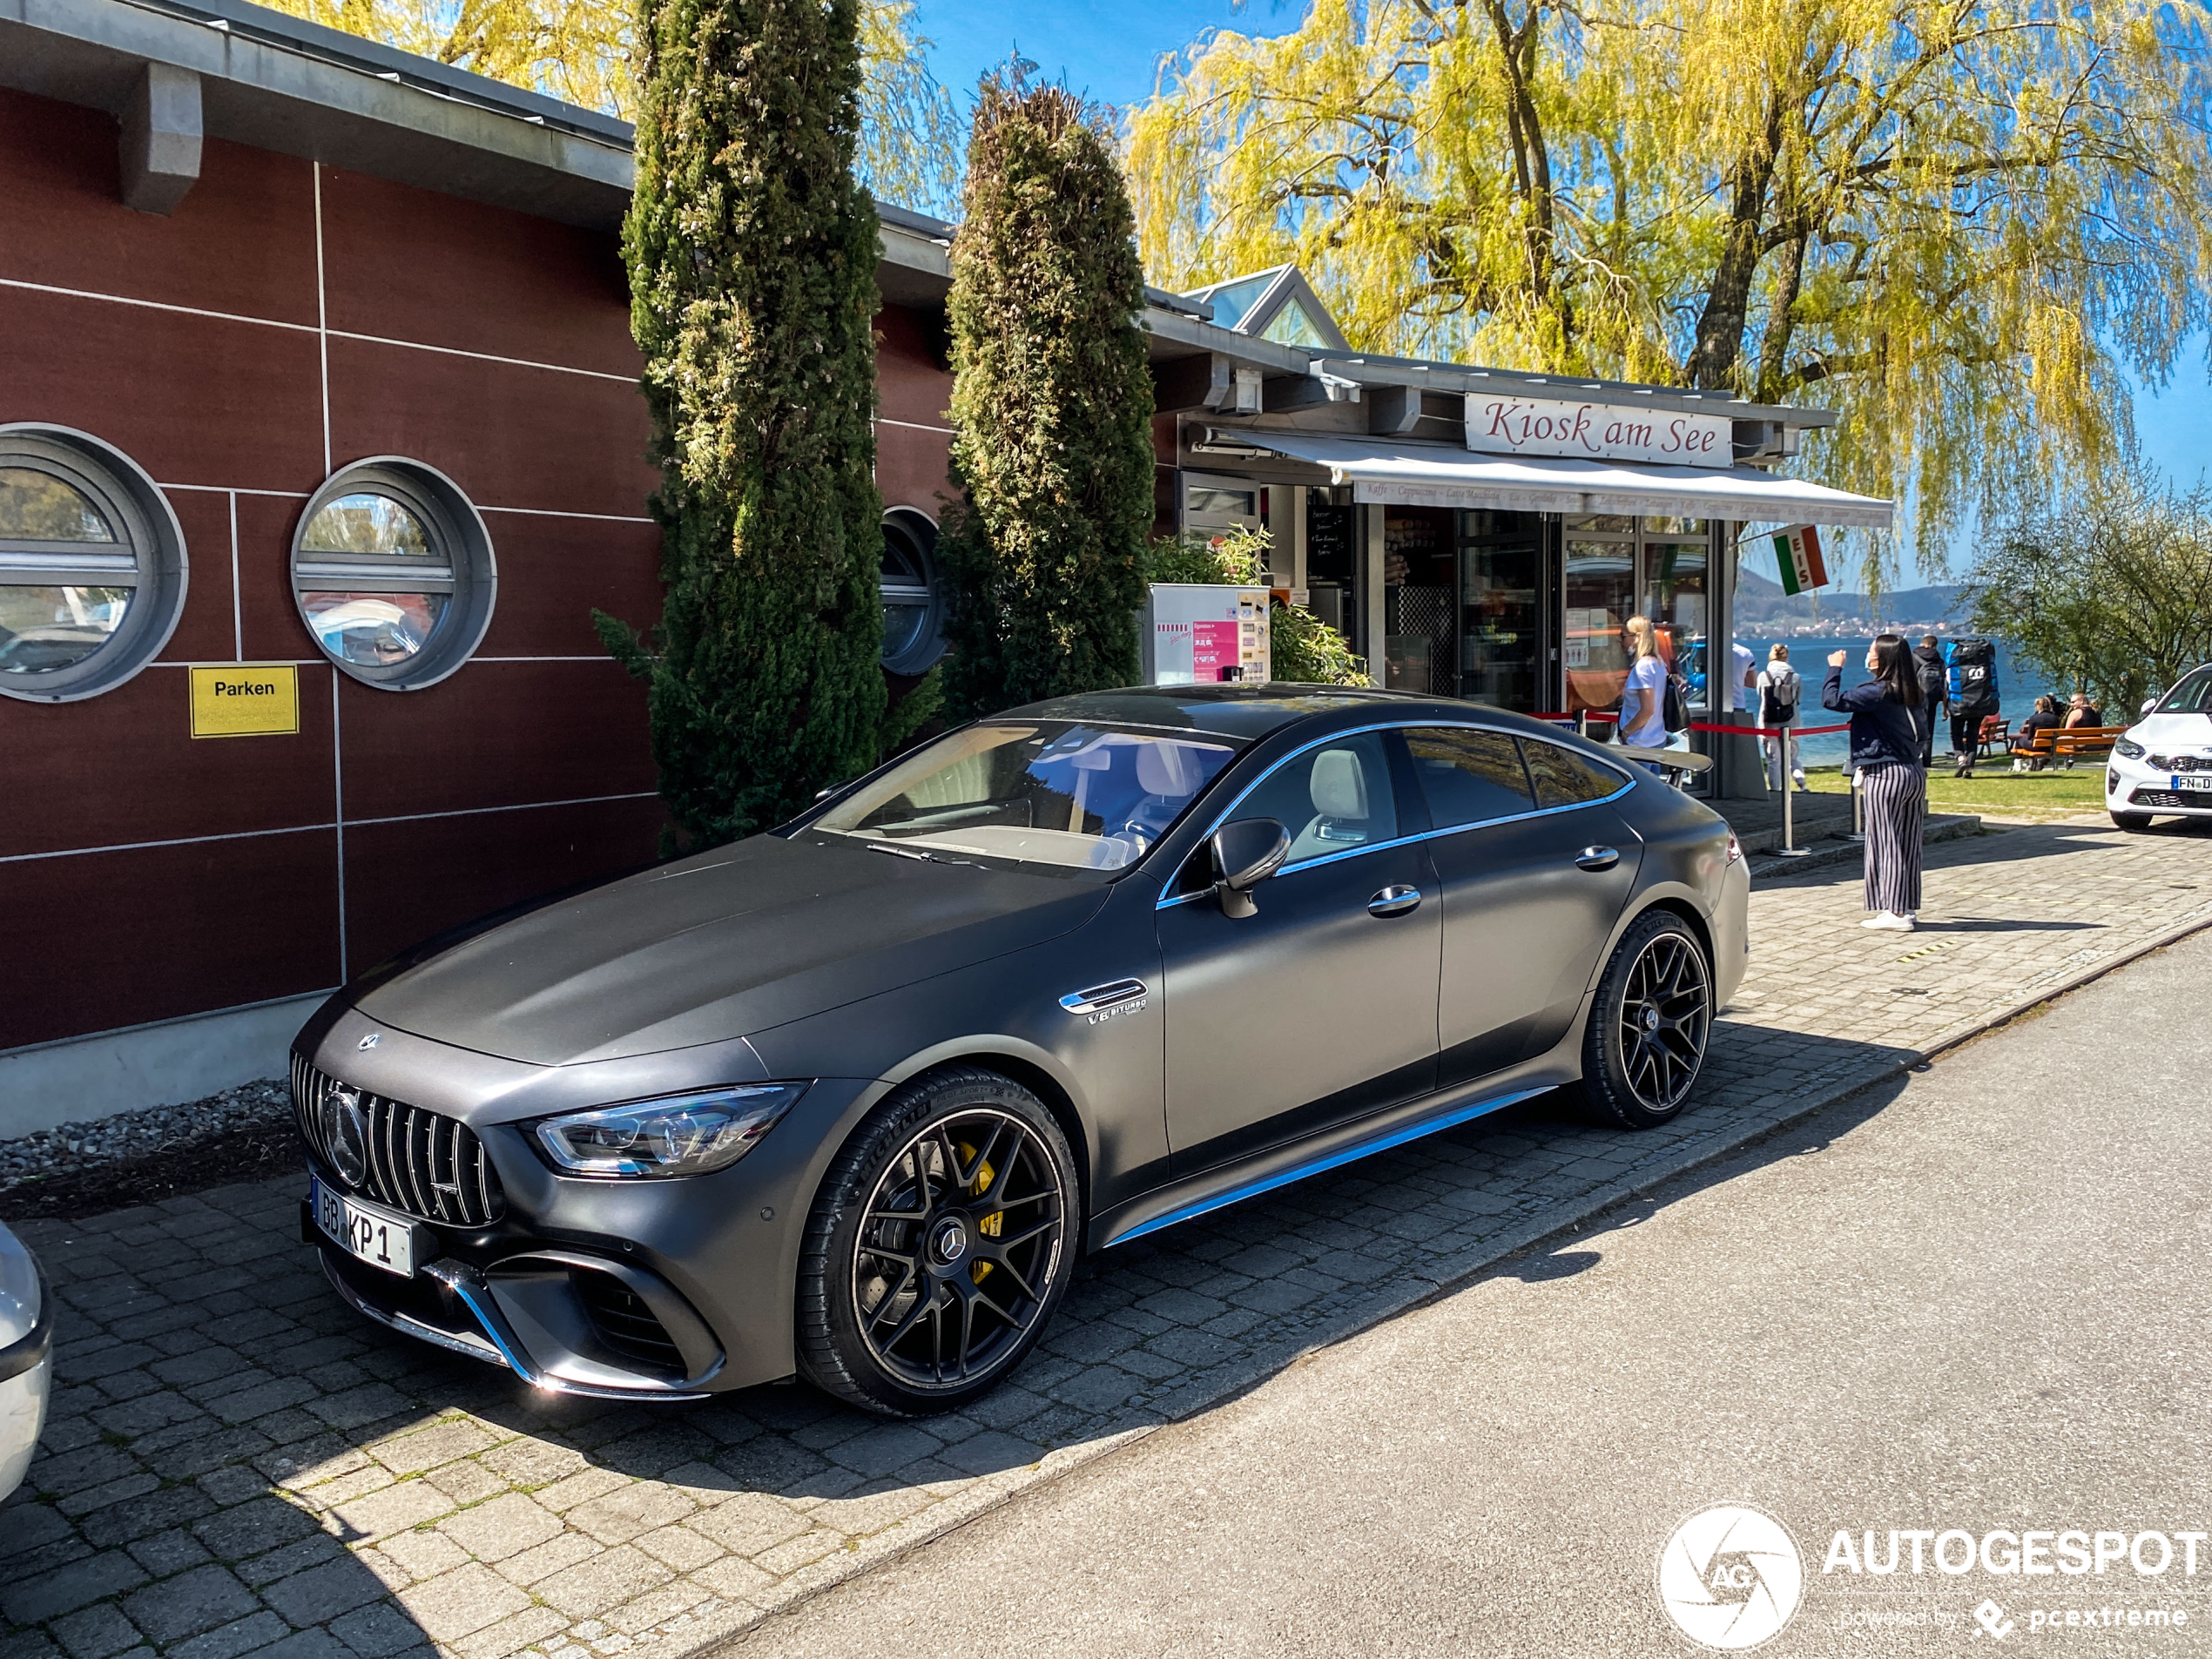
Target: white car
<point>2164,764</point>
<point>26,1358</point>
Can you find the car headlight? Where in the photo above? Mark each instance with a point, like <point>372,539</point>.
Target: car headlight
<point>682,1134</point>
<point>22,1297</point>
<point>2127,749</point>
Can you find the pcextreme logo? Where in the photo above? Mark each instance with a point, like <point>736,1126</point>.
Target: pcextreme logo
<point>1730,1577</point>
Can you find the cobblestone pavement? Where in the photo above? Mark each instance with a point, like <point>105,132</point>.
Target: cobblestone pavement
<point>236,1464</point>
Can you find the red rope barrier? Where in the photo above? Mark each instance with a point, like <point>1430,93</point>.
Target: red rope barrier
<point>1599,716</point>
<point>1771,731</point>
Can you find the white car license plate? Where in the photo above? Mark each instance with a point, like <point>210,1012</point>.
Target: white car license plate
<point>2192,780</point>
<point>376,1236</point>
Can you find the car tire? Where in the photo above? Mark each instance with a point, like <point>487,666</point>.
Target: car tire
<point>1649,1025</point>
<point>2133,822</point>
<point>895,1311</point>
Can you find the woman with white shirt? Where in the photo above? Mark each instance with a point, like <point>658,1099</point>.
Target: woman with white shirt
<point>1644,699</point>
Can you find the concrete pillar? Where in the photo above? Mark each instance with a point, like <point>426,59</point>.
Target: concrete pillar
<point>1373,569</point>
<point>161,138</point>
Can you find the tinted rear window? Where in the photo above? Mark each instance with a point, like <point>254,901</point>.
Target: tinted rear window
<point>1566,779</point>
<point>1468,776</point>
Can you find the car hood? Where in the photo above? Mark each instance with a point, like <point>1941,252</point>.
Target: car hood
<point>2188,734</point>
<point>716,947</point>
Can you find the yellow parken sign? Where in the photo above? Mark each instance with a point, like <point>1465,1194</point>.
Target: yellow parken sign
<point>245,700</point>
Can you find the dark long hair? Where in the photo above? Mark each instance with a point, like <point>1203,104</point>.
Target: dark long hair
<point>1893,667</point>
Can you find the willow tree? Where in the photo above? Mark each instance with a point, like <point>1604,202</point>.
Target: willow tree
<point>583,51</point>
<point>1954,221</point>
<point>1052,408</point>
<point>751,253</point>
<point>2105,590</point>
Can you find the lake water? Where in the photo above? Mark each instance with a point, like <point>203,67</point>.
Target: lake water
<point>2017,689</point>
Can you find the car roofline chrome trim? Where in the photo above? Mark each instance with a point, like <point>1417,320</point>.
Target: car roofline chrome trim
<point>1167,901</point>
<point>1413,1131</point>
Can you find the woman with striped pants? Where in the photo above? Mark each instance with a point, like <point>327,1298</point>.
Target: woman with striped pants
<point>1886,715</point>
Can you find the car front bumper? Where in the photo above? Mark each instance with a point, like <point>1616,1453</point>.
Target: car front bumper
<point>630,1288</point>
<point>2133,786</point>
<point>26,1379</point>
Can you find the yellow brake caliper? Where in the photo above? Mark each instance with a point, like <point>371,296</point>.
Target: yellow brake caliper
<point>990,1225</point>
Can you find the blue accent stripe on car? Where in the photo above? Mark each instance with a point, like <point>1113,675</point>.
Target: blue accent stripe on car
<point>1415,1131</point>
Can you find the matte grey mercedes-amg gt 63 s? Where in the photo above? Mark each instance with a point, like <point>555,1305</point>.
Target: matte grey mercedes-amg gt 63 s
<point>849,1098</point>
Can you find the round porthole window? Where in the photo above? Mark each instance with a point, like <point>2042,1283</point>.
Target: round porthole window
<point>91,566</point>
<point>393,571</point>
<point>913,598</point>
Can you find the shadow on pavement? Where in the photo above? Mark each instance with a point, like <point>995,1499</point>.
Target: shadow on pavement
<point>236,1457</point>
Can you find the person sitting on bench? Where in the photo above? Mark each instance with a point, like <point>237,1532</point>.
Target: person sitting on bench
<point>2083,712</point>
<point>2045,718</point>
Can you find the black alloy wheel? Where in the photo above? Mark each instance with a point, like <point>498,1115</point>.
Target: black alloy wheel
<point>943,1238</point>
<point>1649,1025</point>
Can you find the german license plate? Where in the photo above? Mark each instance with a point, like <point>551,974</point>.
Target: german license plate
<point>366,1233</point>
<point>2192,780</point>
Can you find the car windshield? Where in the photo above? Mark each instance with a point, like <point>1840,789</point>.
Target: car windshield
<point>2191,696</point>
<point>1042,791</point>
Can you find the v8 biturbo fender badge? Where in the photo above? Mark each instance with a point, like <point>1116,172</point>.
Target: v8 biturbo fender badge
<point>1108,1001</point>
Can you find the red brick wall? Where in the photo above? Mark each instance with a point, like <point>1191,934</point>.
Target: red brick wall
<point>144,875</point>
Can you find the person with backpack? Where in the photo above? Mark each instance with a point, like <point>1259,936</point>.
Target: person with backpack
<point>1886,752</point>
<point>1935,688</point>
<point>1973,686</point>
<point>1779,688</point>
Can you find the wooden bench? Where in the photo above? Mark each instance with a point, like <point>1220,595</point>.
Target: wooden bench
<point>2071,743</point>
<point>1996,736</point>
<point>2040,747</point>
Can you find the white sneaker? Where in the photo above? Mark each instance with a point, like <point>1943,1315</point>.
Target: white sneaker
<point>1888,922</point>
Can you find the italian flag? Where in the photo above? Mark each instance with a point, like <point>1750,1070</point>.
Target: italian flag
<point>1797,550</point>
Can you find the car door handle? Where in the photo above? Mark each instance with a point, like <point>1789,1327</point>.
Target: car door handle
<point>1394,901</point>
<point>1597,858</point>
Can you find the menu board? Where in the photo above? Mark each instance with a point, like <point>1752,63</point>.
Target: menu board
<point>1330,547</point>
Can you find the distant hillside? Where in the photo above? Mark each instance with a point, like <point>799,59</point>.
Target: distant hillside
<point>1761,606</point>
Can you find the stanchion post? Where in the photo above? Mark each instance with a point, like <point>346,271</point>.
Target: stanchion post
<point>1790,848</point>
<point>1857,810</point>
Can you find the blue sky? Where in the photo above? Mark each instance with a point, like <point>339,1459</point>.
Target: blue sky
<point>1105,51</point>
<point>1111,52</point>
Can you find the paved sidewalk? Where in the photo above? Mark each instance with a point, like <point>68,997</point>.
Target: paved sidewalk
<point>236,1464</point>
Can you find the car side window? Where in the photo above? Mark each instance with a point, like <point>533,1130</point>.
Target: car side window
<point>1565,778</point>
<point>1469,777</point>
<point>1333,797</point>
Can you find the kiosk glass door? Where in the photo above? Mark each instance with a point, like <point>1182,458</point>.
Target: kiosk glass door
<point>1500,620</point>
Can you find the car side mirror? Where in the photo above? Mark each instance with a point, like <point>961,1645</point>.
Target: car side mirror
<point>1245,854</point>
<point>2149,702</point>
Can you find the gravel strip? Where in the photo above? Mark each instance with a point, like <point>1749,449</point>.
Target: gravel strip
<point>75,1148</point>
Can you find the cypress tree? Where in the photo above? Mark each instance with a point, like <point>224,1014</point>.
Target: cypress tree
<point>1052,408</point>
<point>752,254</point>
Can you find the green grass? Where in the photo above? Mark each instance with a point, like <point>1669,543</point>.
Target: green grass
<point>1996,790</point>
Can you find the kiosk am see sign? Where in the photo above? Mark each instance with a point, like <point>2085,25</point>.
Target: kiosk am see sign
<point>1533,426</point>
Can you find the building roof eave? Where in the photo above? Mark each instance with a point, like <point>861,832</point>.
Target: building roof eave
<point>1372,370</point>
<point>278,82</point>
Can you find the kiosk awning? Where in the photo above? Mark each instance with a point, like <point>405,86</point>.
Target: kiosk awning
<point>1405,474</point>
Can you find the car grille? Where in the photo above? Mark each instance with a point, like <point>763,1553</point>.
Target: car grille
<point>625,1324</point>
<point>419,1162</point>
<point>2167,798</point>
<point>2179,763</point>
